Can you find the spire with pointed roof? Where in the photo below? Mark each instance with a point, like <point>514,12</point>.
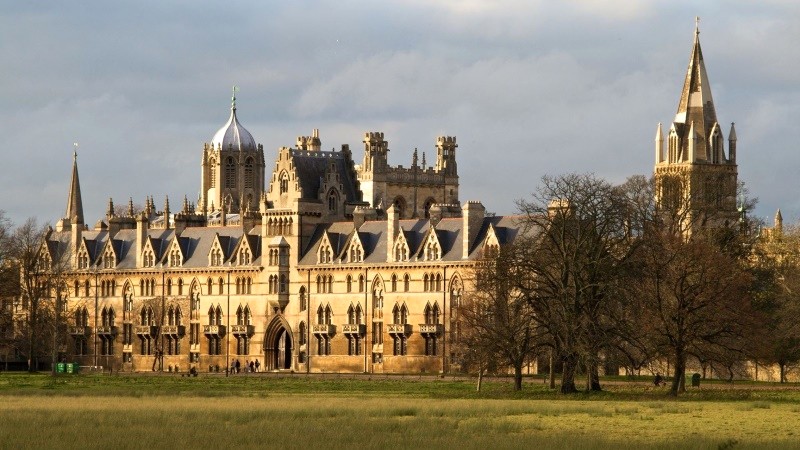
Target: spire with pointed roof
<point>696,104</point>
<point>694,166</point>
<point>74,203</point>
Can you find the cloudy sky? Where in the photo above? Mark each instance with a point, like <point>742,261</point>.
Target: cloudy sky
<point>529,87</point>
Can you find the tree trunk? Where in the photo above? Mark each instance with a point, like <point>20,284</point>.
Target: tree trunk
<point>783,372</point>
<point>570,364</point>
<point>480,377</point>
<point>32,366</point>
<point>679,374</point>
<point>518,376</point>
<point>552,371</point>
<point>594,378</point>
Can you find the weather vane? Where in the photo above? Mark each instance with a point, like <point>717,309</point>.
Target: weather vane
<point>233,95</point>
<point>74,149</point>
<point>697,24</point>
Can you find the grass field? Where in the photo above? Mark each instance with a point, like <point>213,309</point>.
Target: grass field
<point>300,412</point>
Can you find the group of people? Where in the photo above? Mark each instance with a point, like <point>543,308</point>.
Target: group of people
<point>249,366</point>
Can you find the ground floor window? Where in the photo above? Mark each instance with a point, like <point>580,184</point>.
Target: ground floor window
<point>173,345</point>
<point>127,357</point>
<point>214,345</point>
<point>81,346</point>
<point>127,334</point>
<point>107,345</point>
<point>400,345</point>
<point>354,347</point>
<point>194,357</point>
<point>242,345</point>
<point>301,357</point>
<point>146,345</point>
<point>323,345</point>
<point>431,346</point>
<point>377,358</point>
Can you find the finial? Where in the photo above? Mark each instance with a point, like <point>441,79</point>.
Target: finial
<point>233,96</point>
<point>696,25</point>
<point>130,206</point>
<point>414,159</point>
<point>74,151</point>
<point>110,212</point>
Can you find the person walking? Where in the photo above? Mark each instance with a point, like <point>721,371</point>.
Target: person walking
<point>258,365</point>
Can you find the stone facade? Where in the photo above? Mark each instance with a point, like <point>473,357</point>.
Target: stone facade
<point>328,267</point>
<point>695,177</point>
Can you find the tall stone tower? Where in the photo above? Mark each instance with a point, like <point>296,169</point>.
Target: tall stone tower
<point>232,169</point>
<point>411,190</point>
<point>695,177</point>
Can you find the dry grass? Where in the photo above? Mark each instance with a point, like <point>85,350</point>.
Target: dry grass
<point>337,412</point>
<point>332,421</point>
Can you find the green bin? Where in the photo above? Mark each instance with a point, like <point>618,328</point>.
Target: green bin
<point>696,380</point>
<point>60,368</point>
<point>70,368</point>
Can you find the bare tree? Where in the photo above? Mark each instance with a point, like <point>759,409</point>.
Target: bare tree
<point>9,289</point>
<point>579,231</point>
<point>42,267</point>
<point>694,298</point>
<point>497,315</point>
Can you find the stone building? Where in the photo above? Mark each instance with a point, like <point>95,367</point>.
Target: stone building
<point>322,266</point>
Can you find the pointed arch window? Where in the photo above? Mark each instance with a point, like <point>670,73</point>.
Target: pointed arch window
<point>148,258</point>
<point>83,260</point>
<point>333,201</point>
<point>230,173</point>
<point>432,314</point>
<point>248,173</point>
<point>284,183</point>
<point>406,282</point>
<point>212,178</point>
<point>325,255</point>
<point>302,296</point>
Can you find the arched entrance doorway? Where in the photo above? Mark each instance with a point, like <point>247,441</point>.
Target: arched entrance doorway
<point>278,345</point>
<point>283,350</point>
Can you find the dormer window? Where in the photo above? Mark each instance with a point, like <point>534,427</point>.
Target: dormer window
<point>400,252</point>
<point>108,260</point>
<point>148,258</point>
<point>325,254</point>
<point>83,260</point>
<point>215,258</point>
<point>244,256</point>
<point>175,258</point>
<point>356,253</point>
<point>491,251</point>
<point>432,251</point>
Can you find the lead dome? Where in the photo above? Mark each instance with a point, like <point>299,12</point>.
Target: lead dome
<point>233,134</point>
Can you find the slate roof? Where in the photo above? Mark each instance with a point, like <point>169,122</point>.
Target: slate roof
<point>373,237</point>
<point>311,167</point>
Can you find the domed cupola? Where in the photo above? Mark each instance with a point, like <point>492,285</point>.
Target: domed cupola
<point>233,134</point>
<point>232,173</point>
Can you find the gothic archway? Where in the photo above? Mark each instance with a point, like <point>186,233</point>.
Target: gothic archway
<point>278,345</point>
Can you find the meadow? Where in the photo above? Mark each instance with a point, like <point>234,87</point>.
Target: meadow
<point>96,411</point>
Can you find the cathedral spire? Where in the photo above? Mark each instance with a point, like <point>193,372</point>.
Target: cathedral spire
<point>696,102</point>
<point>74,203</point>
